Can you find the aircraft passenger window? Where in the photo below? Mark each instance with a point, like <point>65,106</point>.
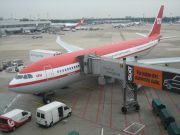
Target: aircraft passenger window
<point>62,70</point>
<point>30,76</point>
<point>25,77</point>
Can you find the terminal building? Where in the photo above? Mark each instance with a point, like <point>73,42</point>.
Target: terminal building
<point>17,26</point>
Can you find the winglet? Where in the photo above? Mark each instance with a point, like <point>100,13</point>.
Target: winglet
<point>157,23</point>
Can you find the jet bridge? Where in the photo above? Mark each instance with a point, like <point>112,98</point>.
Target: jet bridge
<point>132,74</point>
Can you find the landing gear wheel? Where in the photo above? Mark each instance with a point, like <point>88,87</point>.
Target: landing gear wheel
<point>137,107</point>
<point>46,100</point>
<point>124,110</point>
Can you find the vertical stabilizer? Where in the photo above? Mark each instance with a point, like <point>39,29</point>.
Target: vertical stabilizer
<point>80,22</point>
<point>157,23</point>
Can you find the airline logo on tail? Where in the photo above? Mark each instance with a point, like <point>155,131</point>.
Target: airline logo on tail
<point>157,23</point>
<point>80,22</point>
<point>159,20</point>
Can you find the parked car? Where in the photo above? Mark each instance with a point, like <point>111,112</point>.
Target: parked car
<point>13,119</point>
<point>50,114</point>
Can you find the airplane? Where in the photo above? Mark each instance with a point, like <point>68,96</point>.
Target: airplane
<point>70,26</point>
<point>123,25</point>
<point>56,72</point>
<point>67,26</point>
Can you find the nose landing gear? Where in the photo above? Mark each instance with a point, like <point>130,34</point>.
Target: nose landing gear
<point>46,97</point>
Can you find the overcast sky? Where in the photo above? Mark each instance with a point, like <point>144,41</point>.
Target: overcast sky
<point>65,9</point>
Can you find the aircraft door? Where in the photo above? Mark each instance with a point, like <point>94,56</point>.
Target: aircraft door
<point>48,71</point>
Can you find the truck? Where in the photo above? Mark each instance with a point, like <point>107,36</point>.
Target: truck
<point>38,54</point>
<point>13,119</point>
<point>52,113</point>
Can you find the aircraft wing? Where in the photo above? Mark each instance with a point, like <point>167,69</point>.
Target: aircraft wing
<point>160,60</point>
<point>162,38</point>
<point>68,47</point>
<point>141,34</point>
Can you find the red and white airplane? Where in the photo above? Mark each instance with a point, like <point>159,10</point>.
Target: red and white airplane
<point>70,26</point>
<point>59,71</point>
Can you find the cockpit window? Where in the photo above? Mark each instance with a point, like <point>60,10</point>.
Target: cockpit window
<point>25,77</point>
<point>19,76</point>
<point>30,76</point>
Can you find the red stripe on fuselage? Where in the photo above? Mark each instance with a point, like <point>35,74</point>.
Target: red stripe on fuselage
<point>43,80</point>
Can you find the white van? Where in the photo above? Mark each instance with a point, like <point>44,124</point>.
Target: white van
<point>51,113</point>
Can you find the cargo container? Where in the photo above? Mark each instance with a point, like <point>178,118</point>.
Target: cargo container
<point>166,117</point>
<point>157,106</point>
<point>173,129</point>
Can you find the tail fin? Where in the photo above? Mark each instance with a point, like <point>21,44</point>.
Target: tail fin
<point>80,22</point>
<point>157,23</point>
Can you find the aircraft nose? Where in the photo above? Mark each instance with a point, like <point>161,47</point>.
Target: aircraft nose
<point>12,86</point>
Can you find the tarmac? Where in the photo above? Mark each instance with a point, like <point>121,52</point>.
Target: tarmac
<point>94,107</point>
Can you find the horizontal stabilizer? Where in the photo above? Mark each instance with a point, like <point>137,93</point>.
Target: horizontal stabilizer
<point>141,34</point>
<point>66,46</point>
<point>163,38</point>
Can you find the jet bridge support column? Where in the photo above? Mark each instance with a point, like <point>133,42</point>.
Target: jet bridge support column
<point>129,94</point>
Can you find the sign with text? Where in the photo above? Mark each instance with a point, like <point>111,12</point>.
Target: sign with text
<point>148,77</point>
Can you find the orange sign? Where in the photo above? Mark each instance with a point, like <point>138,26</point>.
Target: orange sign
<point>148,77</point>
